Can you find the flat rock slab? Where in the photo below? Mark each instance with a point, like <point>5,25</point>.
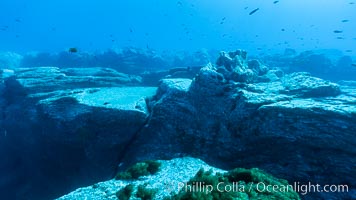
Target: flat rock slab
<point>123,98</point>
<point>47,79</point>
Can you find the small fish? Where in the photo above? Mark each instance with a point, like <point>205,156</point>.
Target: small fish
<point>352,3</point>
<point>72,50</point>
<point>179,3</point>
<point>283,29</point>
<point>275,2</point>
<point>353,64</point>
<point>222,20</point>
<point>337,31</point>
<point>131,30</point>
<point>349,50</point>
<point>18,20</point>
<point>340,38</point>
<point>4,28</point>
<point>252,12</point>
<point>245,8</point>
<point>345,20</point>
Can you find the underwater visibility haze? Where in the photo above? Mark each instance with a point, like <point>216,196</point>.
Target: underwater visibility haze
<point>177,99</point>
<point>39,25</point>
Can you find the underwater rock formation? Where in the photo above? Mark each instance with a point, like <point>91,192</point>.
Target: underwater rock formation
<point>235,66</point>
<point>330,65</point>
<point>65,128</point>
<point>302,84</point>
<point>188,178</point>
<point>46,79</point>
<point>74,127</point>
<point>298,126</point>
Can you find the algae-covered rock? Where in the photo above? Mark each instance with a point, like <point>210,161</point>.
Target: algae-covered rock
<point>191,178</point>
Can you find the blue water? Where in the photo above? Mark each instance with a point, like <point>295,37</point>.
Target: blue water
<point>56,25</point>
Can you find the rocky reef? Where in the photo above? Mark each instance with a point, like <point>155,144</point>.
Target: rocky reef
<point>189,178</point>
<point>296,126</point>
<point>327,64</point>
<point>68,128</point>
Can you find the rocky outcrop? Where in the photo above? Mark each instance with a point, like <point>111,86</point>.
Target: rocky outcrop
<point>46,79</point>
<point>235,66</point>
<point>304,134</point>
<point>62,129</point>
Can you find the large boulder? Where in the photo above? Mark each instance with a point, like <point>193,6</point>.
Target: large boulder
<point>64,129</point>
